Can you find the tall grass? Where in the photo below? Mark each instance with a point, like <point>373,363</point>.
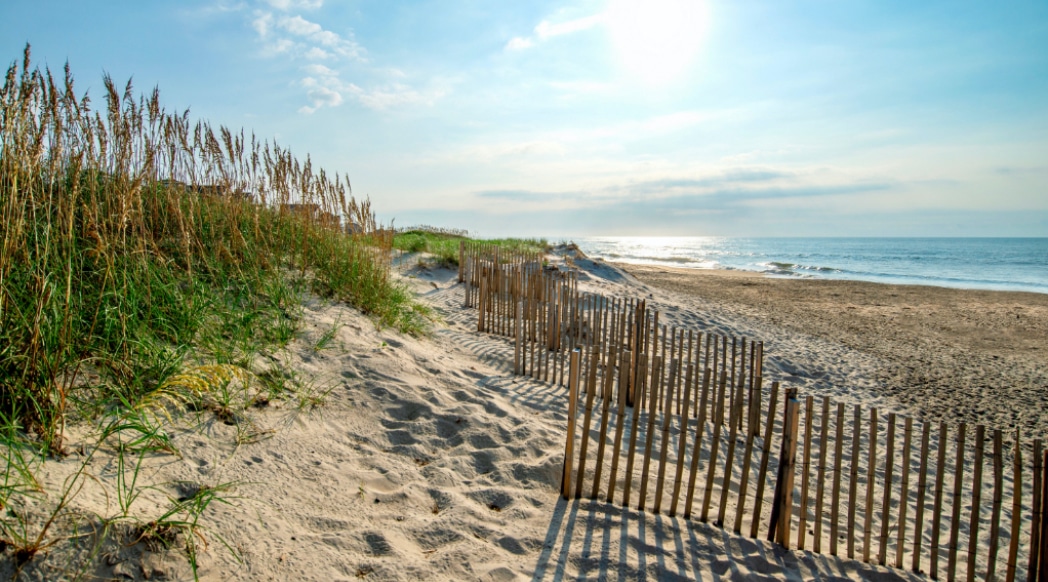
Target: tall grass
<point>445,244</point>
<point>131,237</point>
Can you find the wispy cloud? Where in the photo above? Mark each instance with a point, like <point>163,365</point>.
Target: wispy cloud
<point>286,5</point>
<point>529,195</point>
<point>325,88</point>
<point>283,32</point>
<point>546,30</point>
<point>313,33</point>
<point>729,189</point>
<point>519,43</point>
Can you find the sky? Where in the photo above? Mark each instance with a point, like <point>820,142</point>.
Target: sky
<point>609,117</point>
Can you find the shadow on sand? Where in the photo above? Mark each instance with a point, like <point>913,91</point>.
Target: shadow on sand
<point>593,540</point>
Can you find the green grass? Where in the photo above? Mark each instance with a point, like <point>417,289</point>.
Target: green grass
<point>446,246</point>
<point>135,245</point>
<point>133,241</point>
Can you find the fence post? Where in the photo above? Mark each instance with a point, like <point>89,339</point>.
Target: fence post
<point>779,528</point>
<point>755,393</point>
<point>483,303</point>
<point>1035,518</point>
<point>467,289</point>
<point>1043,569</point>
<point>519,335</point>
<point>573,395</point>
<point>462,257</point>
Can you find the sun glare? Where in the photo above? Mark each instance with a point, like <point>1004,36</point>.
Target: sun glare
<point>656,40</point>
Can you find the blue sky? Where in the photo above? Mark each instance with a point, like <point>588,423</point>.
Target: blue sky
<point>663,117</point>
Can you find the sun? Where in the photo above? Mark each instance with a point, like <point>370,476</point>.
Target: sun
<point>656,40</point>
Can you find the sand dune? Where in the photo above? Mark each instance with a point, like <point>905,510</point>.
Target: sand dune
<point>430,460</point>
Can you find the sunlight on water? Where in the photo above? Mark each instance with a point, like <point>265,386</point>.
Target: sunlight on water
<point>970,263</point>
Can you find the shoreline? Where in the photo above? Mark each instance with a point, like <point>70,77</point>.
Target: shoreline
<point>938,353</point>
<point>729,271</point>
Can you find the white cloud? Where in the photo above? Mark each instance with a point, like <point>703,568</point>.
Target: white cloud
<point>320,96</point>
<point>304,39</point>
<point>277,47</point>
<point>311,32</point>
<point>262,23</point>
<point>316,69</point>
<point>518,43</point>
<point>393,95</point>
<point>327,89</point>
<point>286,5</point>
<point>317,53</point>
<point>547,29</point>
<point>219,7</point>
<point>300,26</point>
<point>513,150</point>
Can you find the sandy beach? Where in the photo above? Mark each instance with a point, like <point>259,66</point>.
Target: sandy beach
<point>934,353</point>
<point>427,459</point>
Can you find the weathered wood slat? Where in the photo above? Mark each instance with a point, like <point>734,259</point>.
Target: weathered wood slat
<point>667,419</point>
<point>886,499</point>
<point>620,422</point>
<point>871,480</point>
<point>1037,511</point>
<point>973,527</point>
<point>1017,509</point>
<point>779,530</point>
<point>765,457</point>
<point>639,389</point>
<point>853,480</point>
<point>998,500</point>
<point>904,501</point>
<point>696,450</point>
<point>714,448</point>
<point>682,449</point>
<point>940,468</point>
<point>821,478</point>
<point>605,412</point>
<point>591,392</point>
<point>740,509</point>
<point>729,459</point>
<point>955,519</point>
<point>802,528</point>
<point>569,447</point>
<point>653,401</point>
<point>835,515</point>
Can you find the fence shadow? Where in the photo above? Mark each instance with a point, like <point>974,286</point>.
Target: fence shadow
<point>591,540</point>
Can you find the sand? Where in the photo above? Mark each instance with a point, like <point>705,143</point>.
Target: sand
<point>979,357</point>
<point>426,459</point>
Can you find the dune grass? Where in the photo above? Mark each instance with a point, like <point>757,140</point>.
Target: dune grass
<point>445,246</point>
<point>132,240</point>
<point>136,245</point>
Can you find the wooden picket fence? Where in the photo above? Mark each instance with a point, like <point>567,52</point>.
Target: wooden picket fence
<point>678,420</point>
<point>547,316</point>
<point>857,490</point>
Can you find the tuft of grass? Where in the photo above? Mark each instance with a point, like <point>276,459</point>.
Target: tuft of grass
<point>180,523</point>
<point>327,338</point>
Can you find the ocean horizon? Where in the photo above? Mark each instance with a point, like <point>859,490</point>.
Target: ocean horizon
<point>999,264</point>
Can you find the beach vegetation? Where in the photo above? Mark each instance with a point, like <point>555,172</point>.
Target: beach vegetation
<point>445,247</point>
<point>146,261</point>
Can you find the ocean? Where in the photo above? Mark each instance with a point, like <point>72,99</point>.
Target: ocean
<point>1007,264</point>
